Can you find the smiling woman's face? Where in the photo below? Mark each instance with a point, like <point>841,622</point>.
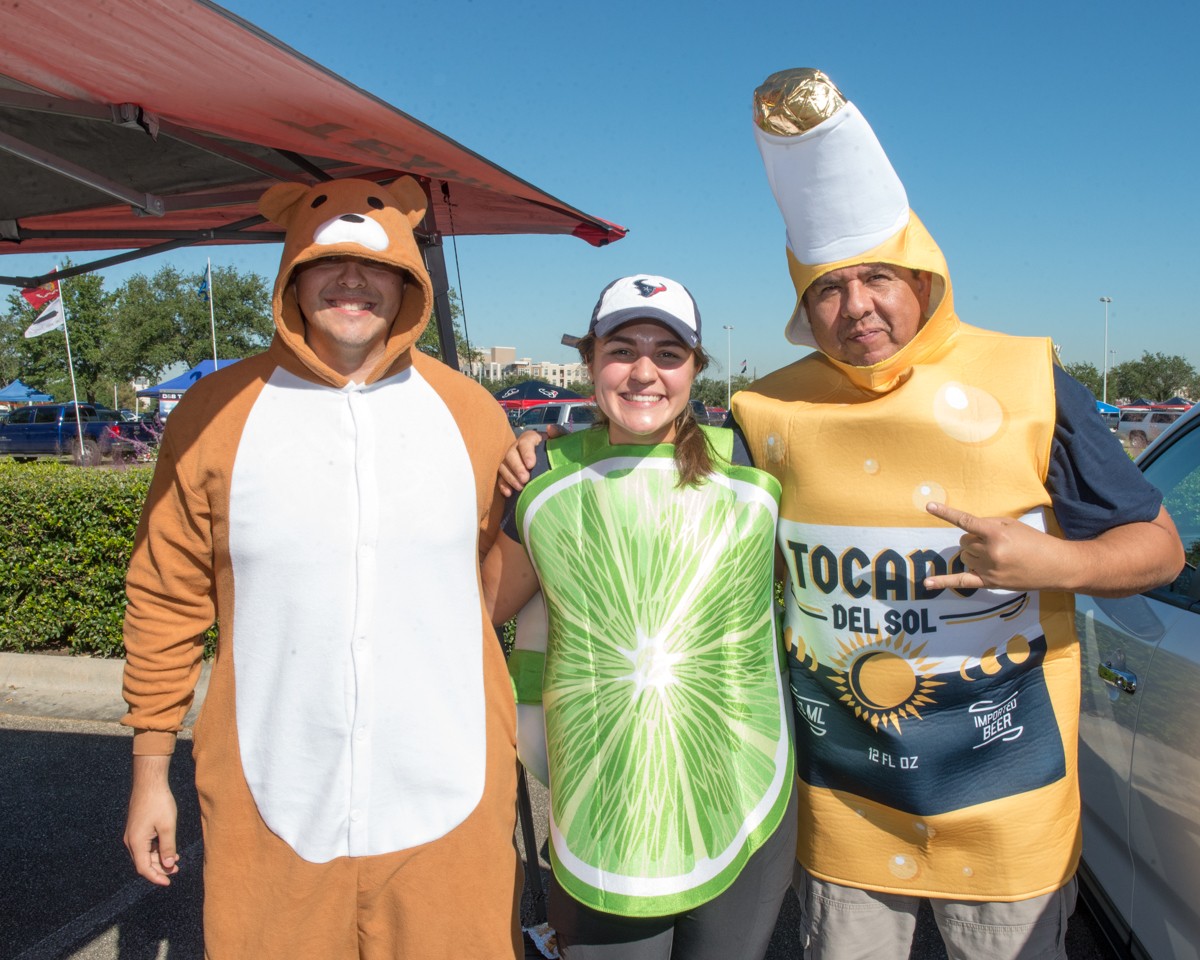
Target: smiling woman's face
<point>643,376</point>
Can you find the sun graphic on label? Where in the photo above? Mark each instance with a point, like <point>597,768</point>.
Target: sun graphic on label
<point>885,679</point>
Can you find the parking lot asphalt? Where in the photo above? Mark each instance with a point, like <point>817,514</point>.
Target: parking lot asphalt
<point>64,780</point>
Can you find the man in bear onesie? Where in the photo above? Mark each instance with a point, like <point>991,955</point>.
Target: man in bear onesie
<point>355,757</point>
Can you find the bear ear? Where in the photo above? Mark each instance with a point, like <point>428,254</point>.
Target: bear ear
<point>410,197</point>
<point>276,204</point>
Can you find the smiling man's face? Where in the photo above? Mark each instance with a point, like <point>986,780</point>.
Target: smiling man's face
<point>348,307</point>
<point>863,314</point>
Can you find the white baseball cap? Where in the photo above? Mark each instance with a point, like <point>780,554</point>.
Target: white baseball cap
<point>645,296</point>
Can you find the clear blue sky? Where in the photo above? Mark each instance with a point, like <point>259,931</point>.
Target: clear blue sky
<point>1051,148</point>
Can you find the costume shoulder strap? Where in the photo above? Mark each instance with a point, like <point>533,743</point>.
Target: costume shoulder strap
<point>720,439</point>
<point>562,451</point>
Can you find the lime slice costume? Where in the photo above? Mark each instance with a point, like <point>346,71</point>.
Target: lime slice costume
<point>667,721</point>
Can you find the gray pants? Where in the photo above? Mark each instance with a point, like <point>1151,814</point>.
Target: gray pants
<point>737,924</point>
<point>845,923</point>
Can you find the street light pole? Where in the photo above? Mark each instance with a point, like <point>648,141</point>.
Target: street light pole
<point>728,365</point>
<point>1106,301</point>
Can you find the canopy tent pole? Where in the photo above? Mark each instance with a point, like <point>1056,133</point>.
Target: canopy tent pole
<point>435,263</point>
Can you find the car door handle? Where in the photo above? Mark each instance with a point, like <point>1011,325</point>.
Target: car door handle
<point>1125,679</point>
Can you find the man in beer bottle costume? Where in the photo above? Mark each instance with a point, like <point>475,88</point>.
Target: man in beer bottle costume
<point>945,490</point>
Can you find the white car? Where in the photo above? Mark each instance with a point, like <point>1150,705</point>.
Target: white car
<point>1139,426</point>
<point>568,415</point>
<point>1139,750</point>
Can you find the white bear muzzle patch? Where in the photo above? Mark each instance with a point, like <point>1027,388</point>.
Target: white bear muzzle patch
<point>352,228</point>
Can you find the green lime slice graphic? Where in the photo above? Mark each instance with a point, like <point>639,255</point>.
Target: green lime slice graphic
<point>666,718</point>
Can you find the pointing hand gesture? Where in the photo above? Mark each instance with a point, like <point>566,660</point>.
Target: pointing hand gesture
<point>1001,553</point>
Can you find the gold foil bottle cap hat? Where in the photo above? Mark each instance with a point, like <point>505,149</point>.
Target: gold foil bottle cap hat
<point>791,102</point>
<point>834,185</point>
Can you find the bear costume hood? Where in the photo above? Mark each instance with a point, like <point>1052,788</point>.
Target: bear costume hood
<point>350,218</point>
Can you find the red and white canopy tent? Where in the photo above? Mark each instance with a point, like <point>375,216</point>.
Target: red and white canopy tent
<point>147,125</point>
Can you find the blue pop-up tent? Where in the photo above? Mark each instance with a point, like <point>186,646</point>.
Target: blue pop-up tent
<point>18,392</point>
<point>179,384</point>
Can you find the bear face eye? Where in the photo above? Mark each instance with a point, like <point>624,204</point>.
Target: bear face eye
<point>374,203</point>
<point>318,201</point>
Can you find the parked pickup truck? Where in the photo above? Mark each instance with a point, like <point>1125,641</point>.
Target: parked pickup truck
<point>50,430</point>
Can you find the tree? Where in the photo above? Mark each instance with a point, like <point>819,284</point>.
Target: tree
<point>1088,375</point>
<point>430,341</point>
<point>42,361</point>
<point>1154,376</point>
<point>503,383</point>
<point>715,392</point>
<point>164,319</point>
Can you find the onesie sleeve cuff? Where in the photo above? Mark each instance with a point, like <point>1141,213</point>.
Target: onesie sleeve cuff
<point>153,743</point>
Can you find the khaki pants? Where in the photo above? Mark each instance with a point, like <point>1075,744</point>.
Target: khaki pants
<point>845,923</point>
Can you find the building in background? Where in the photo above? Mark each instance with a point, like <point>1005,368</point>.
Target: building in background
<point>501,362</point>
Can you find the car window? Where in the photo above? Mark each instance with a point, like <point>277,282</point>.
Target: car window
<point>583,414</point>
<point>46,415</point>
<point>1133,416</point>
<point>531,416</point>
<point>21,416</point>
<point>1169,417</point>
<point>1176,472</point>
<point>551,414</point>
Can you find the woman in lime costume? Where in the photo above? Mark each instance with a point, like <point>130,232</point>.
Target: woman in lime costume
<point>667,722</point>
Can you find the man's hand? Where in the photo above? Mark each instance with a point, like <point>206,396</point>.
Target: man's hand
<point>1005,554</point>
<point>150,826</point>
<point>1002,553</point>
<point>521,456</point>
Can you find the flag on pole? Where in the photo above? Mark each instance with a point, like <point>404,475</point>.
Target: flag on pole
<point>48,298</point>
<point>38,297</point>
<point>203,291</point>
<point>743,373</point>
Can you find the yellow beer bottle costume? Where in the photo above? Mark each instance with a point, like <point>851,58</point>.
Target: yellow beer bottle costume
<point>937,729</point>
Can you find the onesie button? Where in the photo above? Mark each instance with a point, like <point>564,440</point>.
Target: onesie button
<point>356,815</point>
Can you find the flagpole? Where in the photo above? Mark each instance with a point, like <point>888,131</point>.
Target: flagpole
<point>212,314</point>
<point>62,294</point>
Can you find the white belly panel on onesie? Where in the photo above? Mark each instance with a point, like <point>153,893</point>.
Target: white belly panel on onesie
<point>356,624</point>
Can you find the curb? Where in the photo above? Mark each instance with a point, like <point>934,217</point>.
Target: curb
<point>71,688</point>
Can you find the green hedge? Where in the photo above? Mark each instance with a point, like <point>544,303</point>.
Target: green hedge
<point>65,539</point>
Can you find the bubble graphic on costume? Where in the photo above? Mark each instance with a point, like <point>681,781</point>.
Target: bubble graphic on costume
<point>775,448</point>
<point>966,413</point>
<point>927,491</point>
<point>903,866</point>
<point>870,466</point>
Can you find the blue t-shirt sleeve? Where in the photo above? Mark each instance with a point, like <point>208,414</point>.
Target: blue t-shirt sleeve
<point>1093,484</point>
<point>740,455</point>
<point>540,466</point>
<point>740,447</point>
